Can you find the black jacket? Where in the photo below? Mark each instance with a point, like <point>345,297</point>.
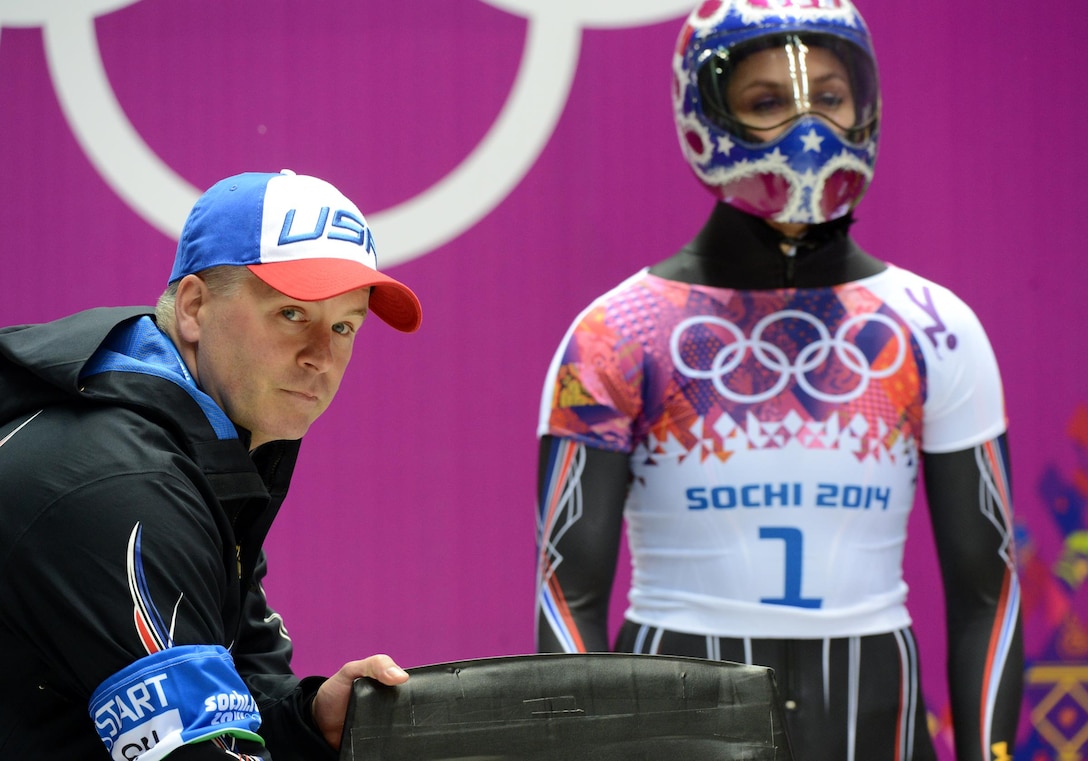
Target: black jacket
<point>108,451</point>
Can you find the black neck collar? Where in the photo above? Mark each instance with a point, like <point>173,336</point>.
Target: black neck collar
<point>738,250</point>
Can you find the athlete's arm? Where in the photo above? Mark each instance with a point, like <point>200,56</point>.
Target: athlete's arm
<point>580,497</point>
<point>971,512</point>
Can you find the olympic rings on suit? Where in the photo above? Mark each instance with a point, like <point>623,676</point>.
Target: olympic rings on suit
<point>775,359</point>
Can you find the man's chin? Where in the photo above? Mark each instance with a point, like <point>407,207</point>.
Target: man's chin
<point>279,433</point>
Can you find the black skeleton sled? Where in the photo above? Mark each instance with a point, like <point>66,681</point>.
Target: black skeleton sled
<point>569,707</point>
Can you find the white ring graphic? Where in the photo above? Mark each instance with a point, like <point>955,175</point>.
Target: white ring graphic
<point>812,356</point>
<point>437,215</point>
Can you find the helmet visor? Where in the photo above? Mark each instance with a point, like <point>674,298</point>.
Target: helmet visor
<point>756,89</point>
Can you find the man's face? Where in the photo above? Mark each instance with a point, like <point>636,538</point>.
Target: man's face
<point>273,363</point>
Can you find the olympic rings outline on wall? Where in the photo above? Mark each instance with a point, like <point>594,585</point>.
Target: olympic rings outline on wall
<point>473,189</point>
<point>773,358</point>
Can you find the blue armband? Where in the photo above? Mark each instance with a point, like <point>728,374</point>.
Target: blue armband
<point>177,696</point>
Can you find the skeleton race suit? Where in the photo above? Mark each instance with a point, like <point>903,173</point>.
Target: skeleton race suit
<point>758,407</point>
<point>771,439</point>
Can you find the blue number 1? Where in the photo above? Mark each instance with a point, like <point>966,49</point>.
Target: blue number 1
<point>794,541</point>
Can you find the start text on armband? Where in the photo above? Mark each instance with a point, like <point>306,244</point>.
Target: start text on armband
<point>137,703</point>
<point>180,695</point>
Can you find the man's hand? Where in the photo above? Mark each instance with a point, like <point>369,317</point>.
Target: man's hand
<point>331,702</point>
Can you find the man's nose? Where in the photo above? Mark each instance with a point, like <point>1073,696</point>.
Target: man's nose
<point>317,354</point>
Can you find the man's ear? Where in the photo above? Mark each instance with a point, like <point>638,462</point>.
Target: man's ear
<point>191,297</point>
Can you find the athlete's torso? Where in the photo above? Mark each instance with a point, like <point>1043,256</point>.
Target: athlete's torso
<point>774,439</point>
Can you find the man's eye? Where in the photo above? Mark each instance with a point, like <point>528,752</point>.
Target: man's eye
<point>344,328</point>
<point>291,314</point>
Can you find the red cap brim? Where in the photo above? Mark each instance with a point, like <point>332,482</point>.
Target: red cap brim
<point>319,279</point>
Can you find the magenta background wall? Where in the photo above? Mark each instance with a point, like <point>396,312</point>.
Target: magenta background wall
<point>410,527</point>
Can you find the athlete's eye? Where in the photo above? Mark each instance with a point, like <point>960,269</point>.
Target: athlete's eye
<point>835,103</point>
<point>768,104</point>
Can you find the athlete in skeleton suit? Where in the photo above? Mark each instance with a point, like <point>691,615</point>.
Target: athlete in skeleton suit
<point>757,409</point>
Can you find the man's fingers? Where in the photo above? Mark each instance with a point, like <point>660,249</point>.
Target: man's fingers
<point>380,667</point>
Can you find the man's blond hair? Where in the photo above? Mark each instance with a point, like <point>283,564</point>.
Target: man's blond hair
<point>224,280</point>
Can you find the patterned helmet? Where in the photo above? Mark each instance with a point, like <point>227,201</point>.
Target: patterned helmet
<point>777,105</point>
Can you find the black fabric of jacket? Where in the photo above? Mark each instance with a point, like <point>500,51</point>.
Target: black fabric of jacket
<point>95,457</point>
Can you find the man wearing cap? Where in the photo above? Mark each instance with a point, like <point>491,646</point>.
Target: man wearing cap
<point>143,456</point>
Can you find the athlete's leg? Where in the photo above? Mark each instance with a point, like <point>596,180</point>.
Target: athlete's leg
<point>845,699</point>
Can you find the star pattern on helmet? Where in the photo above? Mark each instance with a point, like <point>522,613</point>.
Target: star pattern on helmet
<point>812,141</point>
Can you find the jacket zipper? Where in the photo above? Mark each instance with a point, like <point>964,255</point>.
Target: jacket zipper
<point>791,265</point>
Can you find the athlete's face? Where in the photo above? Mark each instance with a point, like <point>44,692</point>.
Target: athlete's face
<point>273,363</point>
<point>771,87</point>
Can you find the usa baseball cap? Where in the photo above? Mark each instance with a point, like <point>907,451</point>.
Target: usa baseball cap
<point>298,234</point>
